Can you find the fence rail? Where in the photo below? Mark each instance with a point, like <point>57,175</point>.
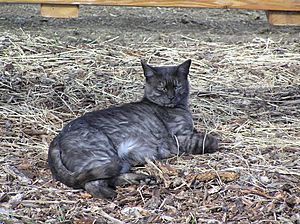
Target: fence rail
<point>280,12</point>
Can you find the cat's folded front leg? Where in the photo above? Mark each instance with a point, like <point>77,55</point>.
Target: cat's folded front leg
<point>197,143</point>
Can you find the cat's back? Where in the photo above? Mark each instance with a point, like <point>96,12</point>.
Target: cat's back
<point>130,116</point>
<point>118,122</point>
<point>141,108</point>
<point>126,113</point>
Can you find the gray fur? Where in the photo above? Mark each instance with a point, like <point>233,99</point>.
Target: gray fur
<point>96,151</point>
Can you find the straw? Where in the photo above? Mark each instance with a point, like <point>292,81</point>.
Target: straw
<point>247,93</point>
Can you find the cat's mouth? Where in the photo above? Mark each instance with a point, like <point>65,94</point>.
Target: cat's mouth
<point>164,104</point>
<point>169,105</point>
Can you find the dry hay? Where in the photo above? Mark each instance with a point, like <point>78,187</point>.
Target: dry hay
<point>247,93</point>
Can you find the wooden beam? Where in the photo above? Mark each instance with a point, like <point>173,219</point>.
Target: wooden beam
<point>286,5</point>
<point>59,11</point>
<point>283,18</point>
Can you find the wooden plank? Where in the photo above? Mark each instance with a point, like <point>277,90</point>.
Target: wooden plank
<point>283,18</point>
<point>59,11</point>
<point>286,5</point>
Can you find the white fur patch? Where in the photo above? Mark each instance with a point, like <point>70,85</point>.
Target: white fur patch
<point>127,146</point>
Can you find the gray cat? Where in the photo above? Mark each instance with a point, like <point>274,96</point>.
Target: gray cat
<point>96,151</point>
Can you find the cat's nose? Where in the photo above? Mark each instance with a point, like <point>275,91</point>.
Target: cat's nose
<point>171,97</point>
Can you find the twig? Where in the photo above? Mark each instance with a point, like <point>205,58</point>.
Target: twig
<point>109,217</point>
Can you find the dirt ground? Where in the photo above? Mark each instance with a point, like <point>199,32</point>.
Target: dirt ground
<point>245,87</point>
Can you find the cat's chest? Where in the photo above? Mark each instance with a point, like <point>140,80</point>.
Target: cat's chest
<point>179,121</point>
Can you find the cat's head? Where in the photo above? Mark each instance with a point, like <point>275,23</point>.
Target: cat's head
<point>167,85</point>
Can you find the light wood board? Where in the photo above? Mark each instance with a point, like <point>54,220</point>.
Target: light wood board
<point>286,5</point>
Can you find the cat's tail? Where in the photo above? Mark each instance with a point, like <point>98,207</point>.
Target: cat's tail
<point>78,180</point>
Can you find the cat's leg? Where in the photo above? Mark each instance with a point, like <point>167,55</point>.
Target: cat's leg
<point>100,189</point>
<point>126,179</point>
<point>197,143</point>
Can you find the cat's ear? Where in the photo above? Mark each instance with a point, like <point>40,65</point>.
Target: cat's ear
<point>184,68</point>
<point>148,70</point>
